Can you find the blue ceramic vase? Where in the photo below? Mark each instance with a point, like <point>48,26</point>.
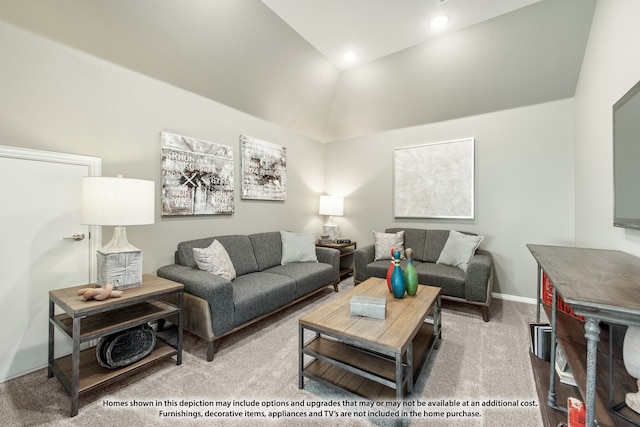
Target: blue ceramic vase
<point>397,278</point>
<point>410,275</point>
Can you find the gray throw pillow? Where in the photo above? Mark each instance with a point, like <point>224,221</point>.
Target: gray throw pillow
<point>298,247</point>
<point>459,249</point>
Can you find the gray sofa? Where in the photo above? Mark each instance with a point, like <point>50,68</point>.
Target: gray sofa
<point>215,307</point>
<point>473,286</point>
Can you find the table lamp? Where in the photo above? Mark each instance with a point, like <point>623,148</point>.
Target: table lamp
<point>332,206</point>
<point>118,202</point>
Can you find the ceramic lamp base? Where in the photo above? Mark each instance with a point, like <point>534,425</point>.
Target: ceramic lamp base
<point>121,269</point>
<point>333,231</point>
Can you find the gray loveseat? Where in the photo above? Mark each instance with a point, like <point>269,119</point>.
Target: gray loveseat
<point>215,306</point>
<point>473,286</point>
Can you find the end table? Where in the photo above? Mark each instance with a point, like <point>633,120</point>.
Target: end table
<point>346,256</point>
<point>83,321</point>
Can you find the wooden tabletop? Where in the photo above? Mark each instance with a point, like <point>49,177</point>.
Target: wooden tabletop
<point>76,306</point>
<point>392,334</point>
<point>597,283</point>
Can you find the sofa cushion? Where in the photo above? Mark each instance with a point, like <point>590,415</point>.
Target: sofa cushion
<point>450,279</point>
<point>414,238</point>
<point>309,276</point>
<point>298,247</point>
<point>434,243</point>
<point>255,294</point>
<point>384,242</point>
<point>215,259</point>
<point>241,253</point>
<point>267,248</point>
<point>459,249</point>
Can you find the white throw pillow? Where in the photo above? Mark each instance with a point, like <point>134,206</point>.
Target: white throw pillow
<point>459,249</point>
<point>298,247</point>
<point>215,260</point>
<point>385,241</point>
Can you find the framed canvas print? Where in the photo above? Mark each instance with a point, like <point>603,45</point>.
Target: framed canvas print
<point>264,169</point>
<point>435,180</point>
<point>197,176</point>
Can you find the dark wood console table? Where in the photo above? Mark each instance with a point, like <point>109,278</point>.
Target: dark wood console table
<point>602,286</point>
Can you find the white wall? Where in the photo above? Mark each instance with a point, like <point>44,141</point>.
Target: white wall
<point>58,99</point>
<point>523,176</point>
<point>611,67</point>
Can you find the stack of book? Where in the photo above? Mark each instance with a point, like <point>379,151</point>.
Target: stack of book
<point>541,340</point>
<point>562,368</point>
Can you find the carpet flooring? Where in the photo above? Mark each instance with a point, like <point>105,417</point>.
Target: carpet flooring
<point>479,376</point>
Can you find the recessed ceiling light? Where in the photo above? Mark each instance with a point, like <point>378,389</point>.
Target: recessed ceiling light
<point>349,56</point>
<point>439,22</point>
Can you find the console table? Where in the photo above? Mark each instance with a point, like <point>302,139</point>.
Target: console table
<point>603,286</point>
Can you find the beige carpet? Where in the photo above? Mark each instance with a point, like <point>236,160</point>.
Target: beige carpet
<point>476,363</point>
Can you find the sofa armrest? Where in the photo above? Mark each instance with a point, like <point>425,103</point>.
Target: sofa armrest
<point>330,256</point>
<point>361,258</point>
<point>479,279</point>
<point>216,290</point>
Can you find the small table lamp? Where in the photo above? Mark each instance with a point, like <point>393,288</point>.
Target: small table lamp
<point>332,206</point>
<point>118,202</point>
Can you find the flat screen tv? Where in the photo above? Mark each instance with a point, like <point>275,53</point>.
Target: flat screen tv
<point>626,160</point>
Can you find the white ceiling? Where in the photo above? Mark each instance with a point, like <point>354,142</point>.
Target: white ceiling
<point>376,28</point>
<point>279,66</point>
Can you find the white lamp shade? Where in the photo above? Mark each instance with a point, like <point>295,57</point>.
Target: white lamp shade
<point>331,205</point>
<point>117,201</point>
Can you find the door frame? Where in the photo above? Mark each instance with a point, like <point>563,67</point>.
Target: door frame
<point>94,165</point>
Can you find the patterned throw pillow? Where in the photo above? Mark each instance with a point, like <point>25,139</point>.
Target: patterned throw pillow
<point>459,249</point>
<point>385,241</point>
<point>215,260</point>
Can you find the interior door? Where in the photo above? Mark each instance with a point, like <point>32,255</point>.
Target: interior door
<point>39,218</point>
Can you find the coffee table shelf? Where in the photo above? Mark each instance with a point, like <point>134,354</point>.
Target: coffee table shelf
<point>362,372</point>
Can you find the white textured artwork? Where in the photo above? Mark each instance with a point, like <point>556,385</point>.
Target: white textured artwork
<point>197,176</point>
<point>435,180</point>
<point>264,169</point>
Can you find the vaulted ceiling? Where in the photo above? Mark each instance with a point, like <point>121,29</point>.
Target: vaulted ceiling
<point>246,54</point>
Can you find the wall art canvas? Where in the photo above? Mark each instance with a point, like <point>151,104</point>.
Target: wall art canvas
<point>264,169</point>
<point>435,180</point>
<point>197,176</point>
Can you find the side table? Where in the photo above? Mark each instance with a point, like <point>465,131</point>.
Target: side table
<point>346,256</point>
<point>83,321</point>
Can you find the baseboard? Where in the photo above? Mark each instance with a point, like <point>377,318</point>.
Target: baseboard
<point>508,297</point>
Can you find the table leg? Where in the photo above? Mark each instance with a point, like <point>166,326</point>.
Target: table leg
<point>75,367</point>
<point>180,326</point>
<point>399,377</point>
<point>51,339</point>
<point>300,356</point>
<point>410,368</point>
<point>551,395</point>
<point>592,334</point>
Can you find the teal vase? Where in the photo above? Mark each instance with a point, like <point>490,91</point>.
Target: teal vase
<point>410,275</point>
<point>397,277</point>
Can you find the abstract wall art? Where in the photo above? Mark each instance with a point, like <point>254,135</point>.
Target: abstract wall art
<point>197,176</point>
<point>264,169</point>
<point>435,180</point>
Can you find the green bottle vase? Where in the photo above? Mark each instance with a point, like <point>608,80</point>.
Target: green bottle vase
<point>410,275</point>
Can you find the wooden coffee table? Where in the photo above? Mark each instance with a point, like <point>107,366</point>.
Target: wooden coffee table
<point>377,359</point>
